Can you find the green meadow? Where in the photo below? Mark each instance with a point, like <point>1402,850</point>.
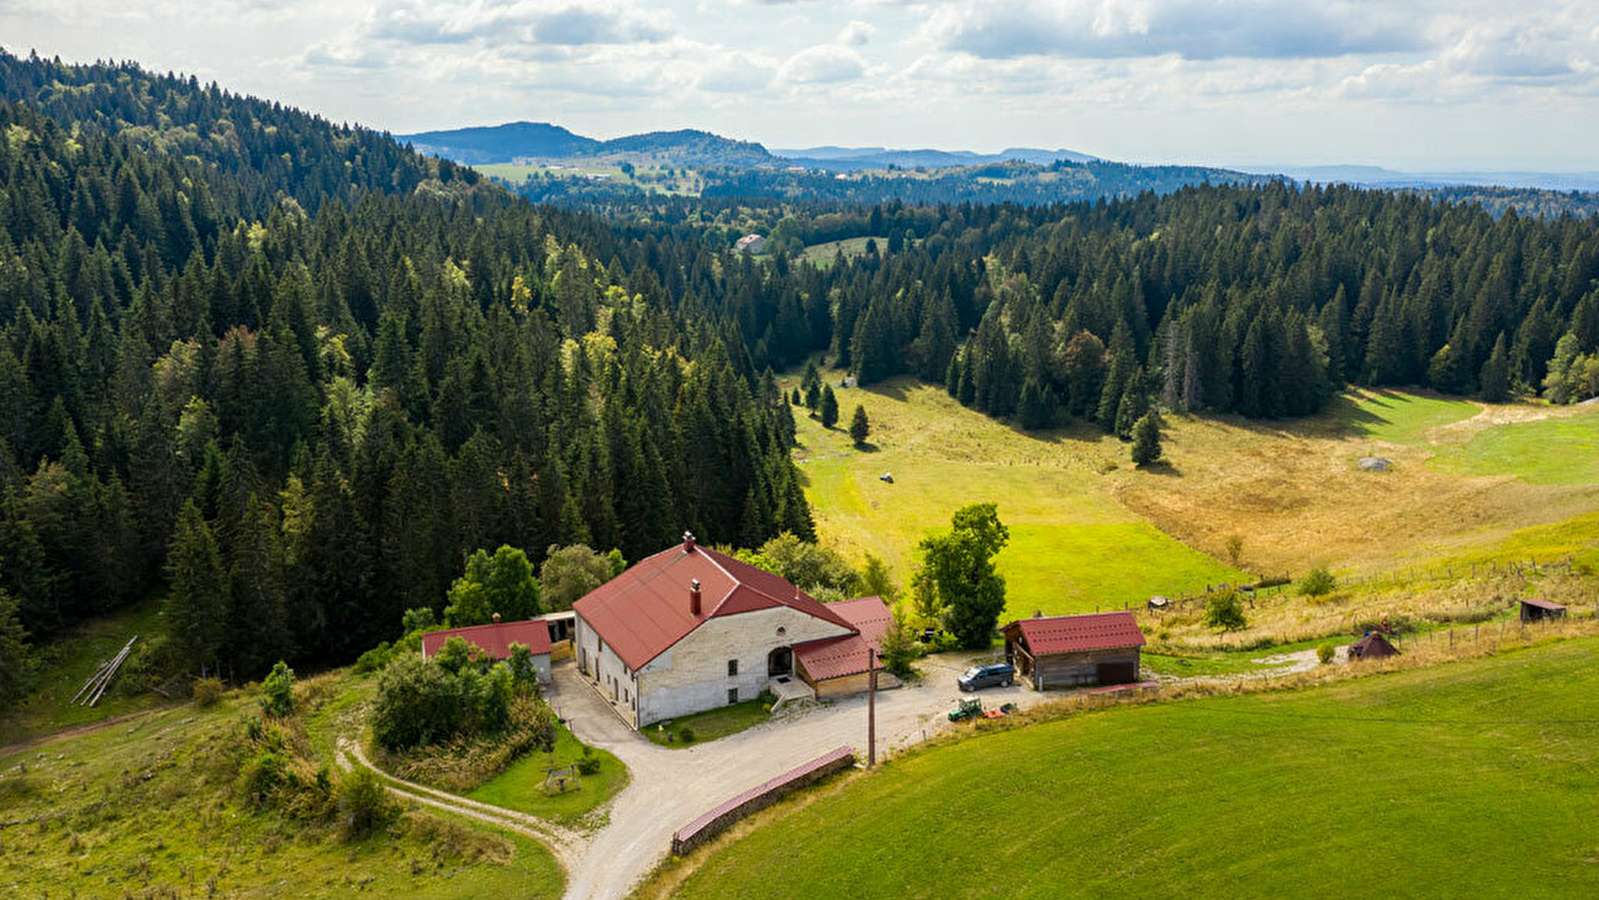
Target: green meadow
<point>150,808</point>
<point>1552,450</point>
<point>521,785</point>
<point>1399,418</point>
<point>1469,779</point>
<point>1073,547</point>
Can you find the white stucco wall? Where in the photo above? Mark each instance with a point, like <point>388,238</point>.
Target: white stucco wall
<point>691,676</point>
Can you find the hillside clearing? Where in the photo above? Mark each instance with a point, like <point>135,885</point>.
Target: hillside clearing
<point>1073,547</point>
<point>1402,778</point>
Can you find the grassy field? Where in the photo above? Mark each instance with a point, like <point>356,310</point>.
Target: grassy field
<point>711,724</point>
<point>1477,778</point>
<point>521,786</point>
<point>65,663</point>
<point>1397,417</point>
<point>822,254</point>
<point>1560,450</point>
<point>149,808</point>
<point>1073,547</point>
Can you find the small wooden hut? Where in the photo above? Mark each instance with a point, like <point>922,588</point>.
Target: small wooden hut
<point>1534,610</point>
<point>1372,646</point>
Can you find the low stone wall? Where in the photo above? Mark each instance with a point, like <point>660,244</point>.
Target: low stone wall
<point>716,820</point>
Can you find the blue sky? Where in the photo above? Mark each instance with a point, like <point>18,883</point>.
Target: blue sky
<point>1414,83</point>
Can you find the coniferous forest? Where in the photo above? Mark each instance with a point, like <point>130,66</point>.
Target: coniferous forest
<point>306,372</point>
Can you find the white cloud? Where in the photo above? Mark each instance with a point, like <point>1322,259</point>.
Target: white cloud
<point>1193,29</point>
<point>823,64</point>
<point>856,33</point>
<point>736,73</point>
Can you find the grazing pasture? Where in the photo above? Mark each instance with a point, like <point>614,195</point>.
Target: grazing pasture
<point>1477,778</point>
<point>153,807</point>
<point>1073,546</point>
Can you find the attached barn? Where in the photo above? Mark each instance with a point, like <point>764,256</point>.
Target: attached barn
<point>1064,651</point>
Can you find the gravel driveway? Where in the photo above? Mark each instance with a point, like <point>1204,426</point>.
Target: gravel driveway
<point>669,787</point>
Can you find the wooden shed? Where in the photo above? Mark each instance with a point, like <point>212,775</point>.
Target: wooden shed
<point>1372,646</point>
<point>1064,651</point>
<point>1534,610</point>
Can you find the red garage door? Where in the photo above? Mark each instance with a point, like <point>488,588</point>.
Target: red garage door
<point>1118,673</point>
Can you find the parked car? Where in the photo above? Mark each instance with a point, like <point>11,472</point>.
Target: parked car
<point>979,677</point>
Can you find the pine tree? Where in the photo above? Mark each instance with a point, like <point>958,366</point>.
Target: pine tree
<point>829,407</point>
<point>1146,439</point>
<point>859,427</point>
<point>1495,378</point>
<point>196,606</point>
<point>13,649</point>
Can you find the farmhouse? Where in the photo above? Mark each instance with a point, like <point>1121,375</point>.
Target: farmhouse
<point>691,629</point>
<point>496,638</point>
<point>1535,610</point>
<point>1059,651</point>
<point>750,243</point>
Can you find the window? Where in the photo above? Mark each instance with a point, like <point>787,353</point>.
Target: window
<point>732,667</point>
<point>732,696</point>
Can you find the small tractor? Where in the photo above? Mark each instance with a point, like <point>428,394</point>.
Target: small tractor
<point>966,710</point>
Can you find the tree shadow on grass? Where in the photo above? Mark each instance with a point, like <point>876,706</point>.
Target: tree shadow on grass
<point>1161,467</point>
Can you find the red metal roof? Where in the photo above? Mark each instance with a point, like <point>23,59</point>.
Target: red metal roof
<point>1542,604</point>
<point>1075,634</point>
<point>840,656</point>
<point>645,610</point>
<point>495,639</point>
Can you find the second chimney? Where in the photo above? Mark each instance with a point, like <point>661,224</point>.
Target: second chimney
<point>688,542</point>
<point>694,598</point>
<point>496,618</point>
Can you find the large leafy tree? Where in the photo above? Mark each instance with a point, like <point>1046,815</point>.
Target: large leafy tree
<point>961,565</point>
<point>502,583</point>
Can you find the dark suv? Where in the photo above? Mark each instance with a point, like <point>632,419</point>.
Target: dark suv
<point>978,677</point>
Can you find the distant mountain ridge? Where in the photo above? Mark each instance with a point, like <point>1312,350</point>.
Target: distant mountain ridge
<point>544,141</point>
<point>855,158</point>
<point>1380,177</point>
<point>688,146</point>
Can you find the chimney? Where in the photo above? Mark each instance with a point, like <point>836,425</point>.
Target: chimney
<point>496,618</point>
<point>688,542</point>
<point>693,591</point>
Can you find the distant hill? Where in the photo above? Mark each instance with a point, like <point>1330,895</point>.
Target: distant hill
<point>541,140</point>
<point>1379,177</point>
<point>849,159</point>
<point>501,143</point>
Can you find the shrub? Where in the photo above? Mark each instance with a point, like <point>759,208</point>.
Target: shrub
<point>589,764</point>
<point>424,701</point>
<point>420,619</point>
<point>1317,582</point>
<point>524,674</point>
<point>686,735</point>
<point>899,650</point>
<point>207,691</point>
<point>374,659</point>
<point>1326,652</point>
<point>277,691</point>
<point>1224,610</point>
<point>363,804</point>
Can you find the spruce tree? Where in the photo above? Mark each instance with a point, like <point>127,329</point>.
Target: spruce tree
<point>1496,373</point>
<point>829,407</point>
<point>1146,439</point>
<point>859,427</point>
<point>196,606</point>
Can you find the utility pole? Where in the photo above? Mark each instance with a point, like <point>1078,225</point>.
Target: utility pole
<point>871,707</point>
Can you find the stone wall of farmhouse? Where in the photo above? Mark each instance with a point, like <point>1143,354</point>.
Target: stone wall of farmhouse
<point>692,676</point>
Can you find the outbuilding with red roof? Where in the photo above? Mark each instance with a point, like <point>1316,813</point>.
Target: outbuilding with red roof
<point>495,640</point>
<point>1064,651</point>
<point>691,629</point>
